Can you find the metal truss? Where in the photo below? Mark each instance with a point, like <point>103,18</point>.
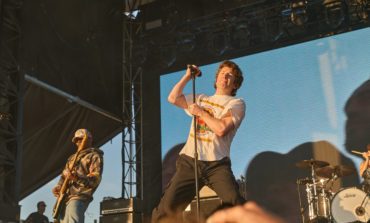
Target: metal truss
<point>180,35</point>
<point>132,153</point>
<point>11,111</point>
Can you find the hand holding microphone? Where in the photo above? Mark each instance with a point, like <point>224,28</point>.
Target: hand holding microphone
<point>194,70</point>
<point>365,155</point>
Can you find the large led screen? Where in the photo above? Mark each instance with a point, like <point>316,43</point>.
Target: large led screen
<point>306,101</point>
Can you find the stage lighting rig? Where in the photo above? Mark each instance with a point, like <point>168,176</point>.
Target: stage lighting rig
<point>298,13</point>
<point>240,36</point>
<point>168,55</point>
<point>186,41</point>
<point>4,116</point>
<point>360,9</point>
<point>334,12</point>
<point>218,42</point>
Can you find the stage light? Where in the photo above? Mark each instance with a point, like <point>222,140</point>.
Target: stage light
<point>360,9</point>
<point>5,116</point>
<point>132,15</point>
<point>218,42</point>
<point>274,29</point>
<point>240,37</point>
<point>298,13</point>
<point>334,11</point>
<point>168,54</point>
<point>186,41</point>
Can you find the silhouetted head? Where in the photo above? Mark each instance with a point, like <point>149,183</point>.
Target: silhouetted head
<point>357,110</point>
<point>169,164</point>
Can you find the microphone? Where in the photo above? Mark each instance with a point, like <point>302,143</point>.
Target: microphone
<point>194,70</point>
<point>356,152</point>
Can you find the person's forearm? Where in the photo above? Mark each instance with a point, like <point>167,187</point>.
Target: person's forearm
<point>219,126</point>
<point>176,96</point>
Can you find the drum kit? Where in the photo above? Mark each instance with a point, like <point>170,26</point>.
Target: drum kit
<point>325,206</point>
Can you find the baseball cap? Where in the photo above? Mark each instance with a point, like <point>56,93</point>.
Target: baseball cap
<point>80,133</point>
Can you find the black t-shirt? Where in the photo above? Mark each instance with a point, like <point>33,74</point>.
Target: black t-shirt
<point>36,217</point>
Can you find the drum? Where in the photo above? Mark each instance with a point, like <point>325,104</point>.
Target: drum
<point>349,205</point>
<point>319,205</point>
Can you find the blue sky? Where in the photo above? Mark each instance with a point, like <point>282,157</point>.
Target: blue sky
<point>293,95</point>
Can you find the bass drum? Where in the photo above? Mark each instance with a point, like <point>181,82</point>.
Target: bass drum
<point>349,205</point>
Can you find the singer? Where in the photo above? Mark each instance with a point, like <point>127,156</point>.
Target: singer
<point>218,118</point>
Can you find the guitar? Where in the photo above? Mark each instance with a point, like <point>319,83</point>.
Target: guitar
<point>60,203</point>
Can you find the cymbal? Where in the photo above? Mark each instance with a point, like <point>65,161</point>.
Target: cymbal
<point>338,170</point>
<point>326,171</point>
<point>342,170</point>
<point>309,181</point>
<point>305,164</point>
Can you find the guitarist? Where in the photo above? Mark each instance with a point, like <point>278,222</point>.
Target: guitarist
<point>81,175</point>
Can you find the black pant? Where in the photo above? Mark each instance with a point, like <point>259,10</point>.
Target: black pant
<point>181,189</point>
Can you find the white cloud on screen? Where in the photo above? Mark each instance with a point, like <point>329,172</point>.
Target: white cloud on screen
<point>328,88</point>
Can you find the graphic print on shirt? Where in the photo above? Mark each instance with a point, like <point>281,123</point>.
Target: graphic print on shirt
<point>202,127</point>
<point>204,133</point>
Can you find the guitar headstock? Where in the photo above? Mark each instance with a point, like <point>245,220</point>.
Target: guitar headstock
<point>83,142</point>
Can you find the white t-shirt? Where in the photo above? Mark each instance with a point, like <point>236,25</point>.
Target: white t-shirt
<point>210,146</point>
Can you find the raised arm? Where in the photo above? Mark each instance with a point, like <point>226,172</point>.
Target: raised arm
<point>176,95</point>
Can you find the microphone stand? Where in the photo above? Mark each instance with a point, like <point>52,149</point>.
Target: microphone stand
<point>193,74</point>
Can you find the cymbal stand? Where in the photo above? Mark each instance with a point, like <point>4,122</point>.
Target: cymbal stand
<point>331,180</point>
<point>301,209</point>
<point>314,199</point>
<point>311,198</point>
<point>313,176</point>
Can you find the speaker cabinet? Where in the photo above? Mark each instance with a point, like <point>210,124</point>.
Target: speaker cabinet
<point>121,218</point>
<point>207,206</point>
<point>121,210</point>
<point>120,205</point>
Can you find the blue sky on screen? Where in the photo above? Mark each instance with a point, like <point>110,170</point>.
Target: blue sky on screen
<point>293,95</point>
